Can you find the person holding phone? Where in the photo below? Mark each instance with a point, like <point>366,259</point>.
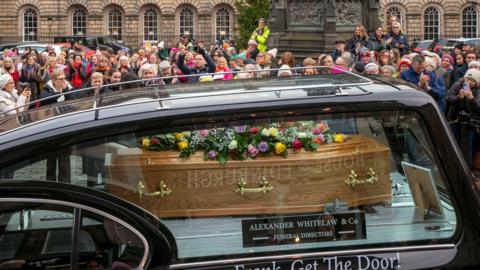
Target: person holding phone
<point>10,101</point>
<point>464,98</point>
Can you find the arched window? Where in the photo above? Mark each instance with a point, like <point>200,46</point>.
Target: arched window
<point>222,24</point>
<point>431,23</point>
<point>150,25</point>
<point>30,25</point>
<point>469,22</point>
<point>186,21</point>
<point>395,11</point>
<point>79,22</point>
<point>114,23</point>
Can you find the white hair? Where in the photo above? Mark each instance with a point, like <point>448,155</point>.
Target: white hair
<point>146,67</point>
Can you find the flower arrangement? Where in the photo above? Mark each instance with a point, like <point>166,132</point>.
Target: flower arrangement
<point>246,142</point>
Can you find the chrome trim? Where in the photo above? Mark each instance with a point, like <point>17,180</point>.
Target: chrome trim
<point>178,97</point>
<point>309,255</point>
<point>95,107</point>
<point>368,81</point>
<point>142,263</point>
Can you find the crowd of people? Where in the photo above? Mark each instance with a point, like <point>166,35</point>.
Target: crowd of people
<point>451,77</point>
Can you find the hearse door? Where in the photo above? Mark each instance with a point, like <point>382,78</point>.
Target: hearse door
<point>38,232</point>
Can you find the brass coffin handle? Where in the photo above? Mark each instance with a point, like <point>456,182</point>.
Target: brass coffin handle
<point>353,180</point>
<point>263,187</point>
<point>162,191</point>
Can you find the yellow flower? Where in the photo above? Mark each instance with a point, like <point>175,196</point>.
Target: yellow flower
<point>339,138</point>
<point>273,132</point>
<point>145,142</point>
<point>182,145</point>
<point>280,148</point>
<point>178,136</point>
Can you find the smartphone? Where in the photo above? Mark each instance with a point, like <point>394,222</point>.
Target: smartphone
<point>466,86</point>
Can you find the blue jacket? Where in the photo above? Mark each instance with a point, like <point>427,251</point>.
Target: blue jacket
<point>401,38</point>
<point>437,85</point>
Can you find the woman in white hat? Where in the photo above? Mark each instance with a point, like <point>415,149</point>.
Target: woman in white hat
<point>464,97</point>
<point>10,102</point>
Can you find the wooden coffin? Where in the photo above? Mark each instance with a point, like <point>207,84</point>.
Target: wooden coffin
<point>300,183</point>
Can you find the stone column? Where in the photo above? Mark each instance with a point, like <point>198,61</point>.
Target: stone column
<point>276,22</point>
<point>330,34</point>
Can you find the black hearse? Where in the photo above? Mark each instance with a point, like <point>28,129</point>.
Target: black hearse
<point>166,178</point>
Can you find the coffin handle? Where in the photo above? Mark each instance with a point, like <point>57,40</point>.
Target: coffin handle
<point>263,187</point>
<point>353,180</point>
<point>162,191</point>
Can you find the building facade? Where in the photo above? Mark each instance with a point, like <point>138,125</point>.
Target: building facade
<point>433,19</point>
<point>130,21</point>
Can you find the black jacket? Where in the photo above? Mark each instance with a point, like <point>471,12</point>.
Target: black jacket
<point>210,67</point>
<point>457,73</point>
<point>50,91</point>
<point>457,105</point>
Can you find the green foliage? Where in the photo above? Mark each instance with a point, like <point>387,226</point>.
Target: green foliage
<point>249,11</point>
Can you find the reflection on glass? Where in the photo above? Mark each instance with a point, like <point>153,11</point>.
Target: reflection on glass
<point>246,187</point>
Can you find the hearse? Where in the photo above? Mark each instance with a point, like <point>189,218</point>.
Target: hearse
<point>331,171</point>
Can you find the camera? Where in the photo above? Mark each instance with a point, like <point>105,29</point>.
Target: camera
<point>22,87</point>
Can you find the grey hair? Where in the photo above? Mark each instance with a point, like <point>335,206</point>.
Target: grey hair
<point>391,68</point>
<point>146,67</point>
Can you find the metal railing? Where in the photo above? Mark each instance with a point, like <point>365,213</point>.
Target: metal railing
<point>93,104</point>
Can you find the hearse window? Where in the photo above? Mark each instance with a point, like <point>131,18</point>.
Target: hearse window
<point>36,234</point>
<point>286,184</point>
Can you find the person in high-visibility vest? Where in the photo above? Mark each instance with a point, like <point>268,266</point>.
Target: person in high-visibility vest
<point>260,35</point>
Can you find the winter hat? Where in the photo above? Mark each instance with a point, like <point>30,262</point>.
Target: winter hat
<point>242,56</point>
<point>252,42</point>
<point>473,74</point>
<point>273,52</point>
<point>474,64</point>
<point>371,67</point>
<point>284,69</point>
<point>405,62</point>
<point>161,44</point>
<point>4,79</point>
<point>449,57</point>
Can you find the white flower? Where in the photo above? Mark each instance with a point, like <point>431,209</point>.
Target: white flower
<point>266,132</point>
<point>233,145</point>
<point>302,135</point>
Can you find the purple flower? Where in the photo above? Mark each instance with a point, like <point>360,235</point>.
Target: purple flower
<point>212,155</point>
<point>263,146</point>
<point>252,151</point>
<point>316,131</point>
<point>240,129</point>
<point>322,138</point>
<point>204,132</point>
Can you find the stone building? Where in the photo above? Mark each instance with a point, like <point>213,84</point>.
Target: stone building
<point>431,19</point>
<point>131,21</point>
